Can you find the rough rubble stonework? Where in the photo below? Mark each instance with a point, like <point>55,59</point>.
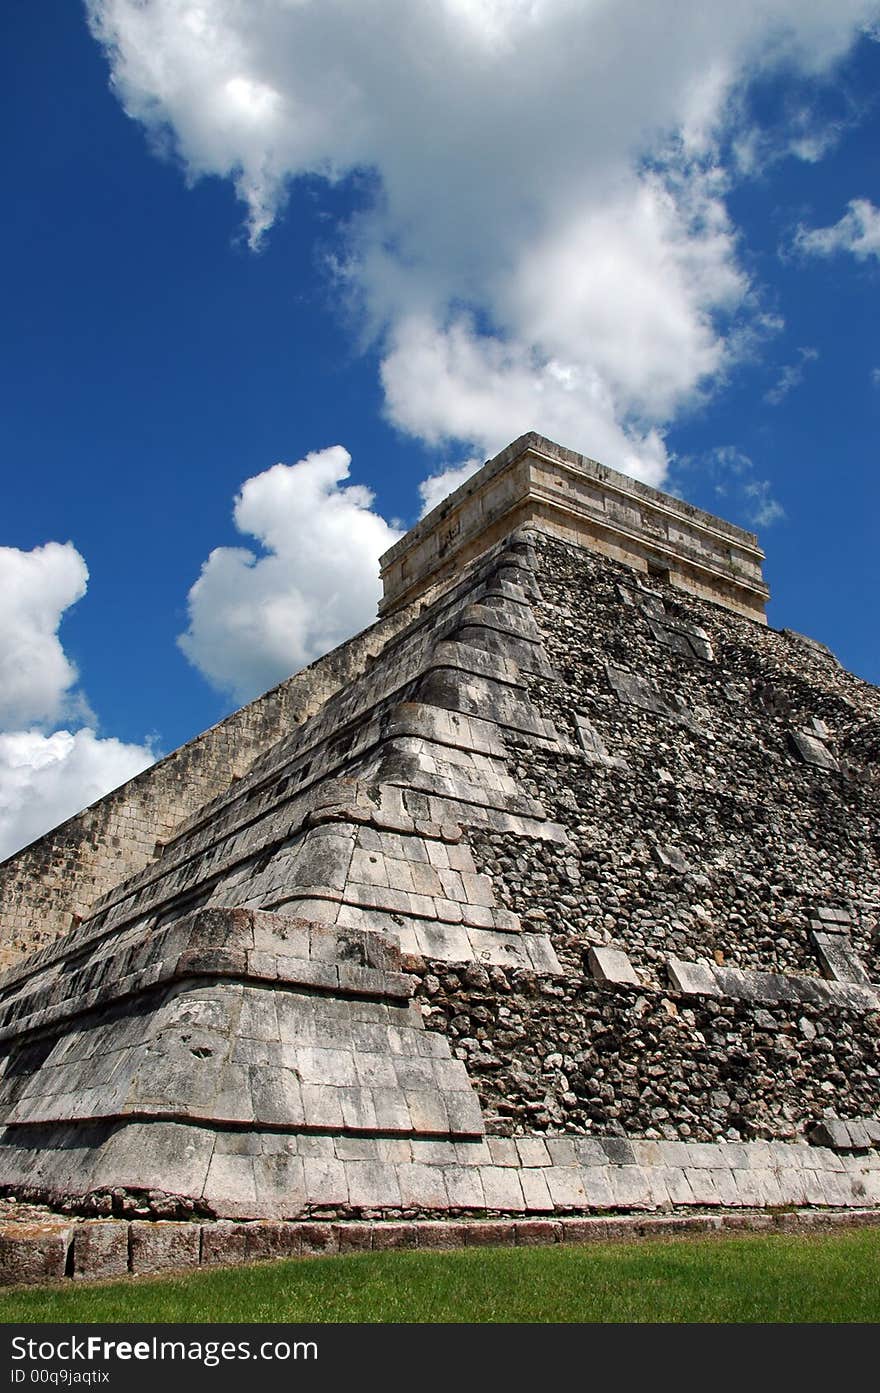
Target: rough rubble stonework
<point>565,902</point>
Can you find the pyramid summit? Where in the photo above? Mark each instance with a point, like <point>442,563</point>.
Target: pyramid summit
<point>537,483</point>
<point>555,892</point>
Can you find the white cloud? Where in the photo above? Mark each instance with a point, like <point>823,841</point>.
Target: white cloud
<point>858,232</point>
<point>254,619</point>
<point>457,384</point>
<point>791,376</point>
<point>45,779</point>
<point>439,486</point>
<point>548,247</point>
<point>37,587</point>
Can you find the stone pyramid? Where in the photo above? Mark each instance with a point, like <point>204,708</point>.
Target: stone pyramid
<point>564,900</point>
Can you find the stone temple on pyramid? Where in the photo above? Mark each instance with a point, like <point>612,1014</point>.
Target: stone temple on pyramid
<point>549,899</point>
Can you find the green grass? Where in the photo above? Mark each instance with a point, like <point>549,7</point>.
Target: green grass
<point>752,1279</point>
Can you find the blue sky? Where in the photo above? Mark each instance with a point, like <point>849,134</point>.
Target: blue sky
<point>411,232</point>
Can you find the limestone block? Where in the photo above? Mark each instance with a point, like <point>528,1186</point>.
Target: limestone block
<point>446,942</point>
<point>770,1187</point>
<point>703,1186</point>
<point>600,1195</point>
<point>503,1150</point>
<point>437,1234</point>
<point>100,1249</point>
<point>531,1151</point>
<point>33,1253</point>
<point>422,1187</point>
<point>372,1185</point>
<point>813,1189</point>
<point>831,1133</point>
<point>749,1187</point>
<point>318,1240</point>
<point>354,1237</point>
<point>837,958</point>
<point>704,1155</point>
<point>358,1109</point>
<point>630,1187</point>
<point>388,1236</point>
<point>658,1192</point>
<point>563,1150</point>
<point>813,751</point>
<point>567,1186</point>
<point>585,1151</point>
<point>677,1187</point>
<point>375,1070</point>
<point>531,1232</point>
<point>671,638</point>
<point>432,1151</point>
<point>680,636</point>
<point>618,1151</point>
<point>869,1183</point>
<point>450,1075</point>
<point>488,1233</point>
<point>325,1180</point>
<point>536,1191</point>
<point>465,1118</point>
<point>542,956</point>
<point>612,967</point>
<point>369,868</point>
<point>279,1183</point>
<point>183,1155</point>
<point>464,1187</point>
<point>502,1188</point>
<point>840,1135</point>
<point>159,1246</point>
<point>414,1071</point>
<point>224,1244</point>
<point>692,979</point>
<point>314,1146</point>
<point>792,1186</point>
<point>427,1110</point>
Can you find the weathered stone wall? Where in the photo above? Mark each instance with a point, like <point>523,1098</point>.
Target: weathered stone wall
<point>46,888</point>
<point>697,830</point>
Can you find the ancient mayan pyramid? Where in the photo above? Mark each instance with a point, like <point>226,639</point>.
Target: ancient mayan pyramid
<point>554,892</point>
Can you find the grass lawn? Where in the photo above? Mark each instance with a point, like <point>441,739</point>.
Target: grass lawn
<point>752,1278</point>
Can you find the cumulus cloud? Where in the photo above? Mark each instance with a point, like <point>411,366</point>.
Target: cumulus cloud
<point>453,383</point>
<point>37,587</point>
<point>45,778</point>
<point>857,232</point>
<point>548,246</point>
<point>256,618</point>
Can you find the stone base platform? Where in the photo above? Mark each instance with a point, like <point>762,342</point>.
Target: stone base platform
<point>43,1248</point>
